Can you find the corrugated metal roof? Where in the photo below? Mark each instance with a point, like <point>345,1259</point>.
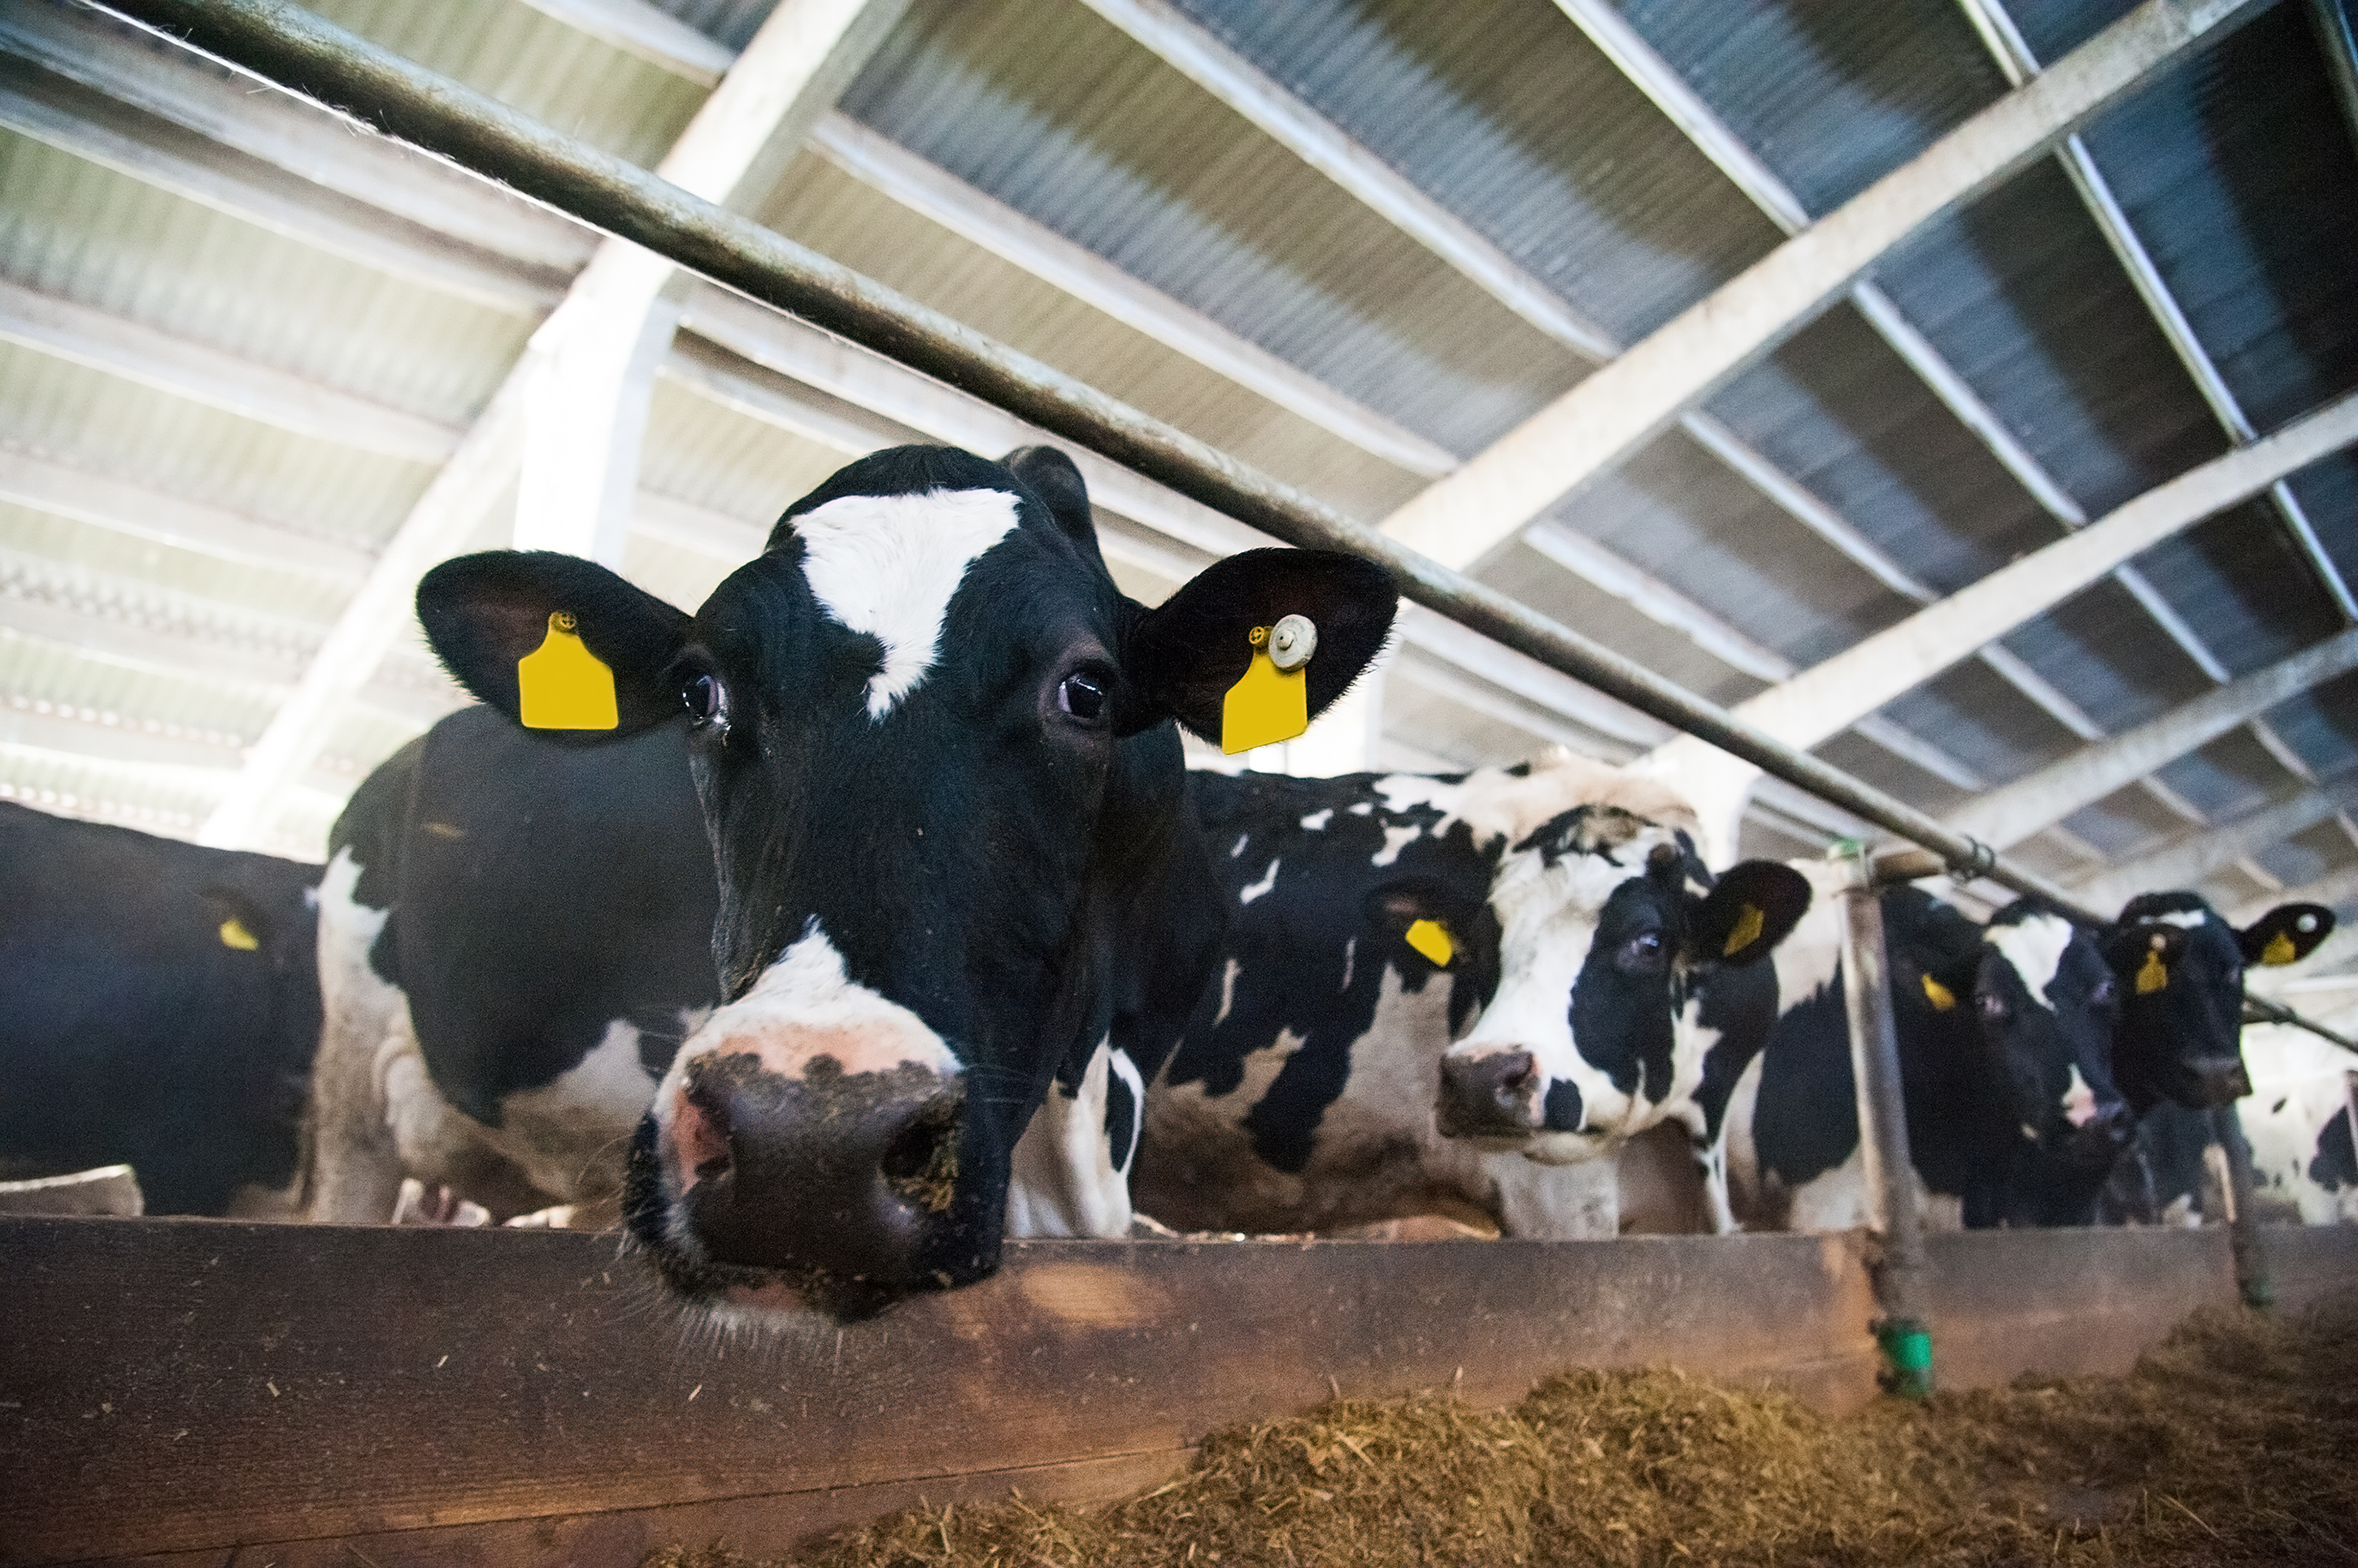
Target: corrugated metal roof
<point>167,560</point>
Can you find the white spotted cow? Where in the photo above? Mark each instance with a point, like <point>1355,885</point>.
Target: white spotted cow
<point>927,807</point>
<point>2005,1036</point>
<point>1576,930</point>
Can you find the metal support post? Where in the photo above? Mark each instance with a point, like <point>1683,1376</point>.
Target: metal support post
<point>2243,1225</point>
<point>1904,1329</point>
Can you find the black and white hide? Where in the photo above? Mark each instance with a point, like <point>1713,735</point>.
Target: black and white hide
<point>923,805</point>
<point>2005,1040</point>
<point>1302,1093</point>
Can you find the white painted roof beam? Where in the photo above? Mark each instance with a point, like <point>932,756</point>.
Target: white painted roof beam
<point>127,64</point>
<point>1196,54</point>
<point>2007,45</point>
<point>2012,813</point>
<point>2189,860</point>
<point>217,378</point>
<point>1685,108</point>
<point>940,197</point>
<point>188,166</point>
<point>1827,697</point>
<point>1598,424</point>
<point>592,364</point>
<point>47,485</point>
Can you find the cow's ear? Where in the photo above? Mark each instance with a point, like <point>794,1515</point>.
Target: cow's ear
<point>2285,935</point>
<point>1444,925</point>
<point>1056,480</point>
<point>1182,657</point>
<point>1754,906</point>
<point>484,613</point>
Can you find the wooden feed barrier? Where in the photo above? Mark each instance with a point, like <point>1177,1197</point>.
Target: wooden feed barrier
<point>186,1391</point>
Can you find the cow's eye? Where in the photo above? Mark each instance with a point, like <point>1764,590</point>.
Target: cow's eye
<point>1644,951</point>
<point>707,701</point>
<point>1083,696</point>
<point>1993,1006</point>
<point>2103,991</point>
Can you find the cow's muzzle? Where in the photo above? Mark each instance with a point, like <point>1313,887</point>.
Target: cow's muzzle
<point>1492,1095</point>
<point>845,1186</point>
<point>2213,1081</point>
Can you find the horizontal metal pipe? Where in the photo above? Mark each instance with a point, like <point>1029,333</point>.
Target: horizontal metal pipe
<point>290,46</point>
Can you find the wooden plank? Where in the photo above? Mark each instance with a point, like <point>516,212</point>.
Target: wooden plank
<point>173,1387</point>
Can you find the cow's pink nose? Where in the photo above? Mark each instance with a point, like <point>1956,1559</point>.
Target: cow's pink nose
<point>1490,1094</point>
<point>847,1176</point>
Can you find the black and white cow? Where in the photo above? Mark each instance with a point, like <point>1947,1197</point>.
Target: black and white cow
<point>158,1008</point>
<point>2180,969</point>
<point>943,803</point>
<point>1302,1095</point>
<point>2005,1036</point>
<point>2297,1121</point>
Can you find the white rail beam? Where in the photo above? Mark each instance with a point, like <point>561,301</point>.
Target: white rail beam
<point>1604,420</point>
<point>1187,48</point>
<point>2008,816</point>
<point>936,194</point>
<point>2188,860</point>
<point>1831,696</point>
<point>595,358</point>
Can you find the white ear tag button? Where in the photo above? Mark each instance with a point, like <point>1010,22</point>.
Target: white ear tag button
<point>1272,703</point>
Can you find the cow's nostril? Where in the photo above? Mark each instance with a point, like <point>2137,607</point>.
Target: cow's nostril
<point>921,1161</point>
<point>1488,1095</point>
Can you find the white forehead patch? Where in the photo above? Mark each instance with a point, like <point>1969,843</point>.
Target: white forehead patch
<point>888,566</point>
<point>2035,948</point>
<point>2190,919</point>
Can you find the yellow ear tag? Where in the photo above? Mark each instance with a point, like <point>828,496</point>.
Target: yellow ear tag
<point>1267,705</point>
<point>2280,950</point>
<point>233,934</point>
<point>1941,997</point>
<point>1431,938</point>
<point>2153,975</point>
<point>1746,932</point>
<point>561,685</point>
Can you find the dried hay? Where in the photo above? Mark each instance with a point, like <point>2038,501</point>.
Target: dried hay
<point>2235,1441</point>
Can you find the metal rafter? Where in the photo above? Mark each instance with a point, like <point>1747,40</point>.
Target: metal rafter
<point>1996,27</point>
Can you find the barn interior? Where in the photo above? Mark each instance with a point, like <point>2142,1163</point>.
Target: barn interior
<point>254,357</point>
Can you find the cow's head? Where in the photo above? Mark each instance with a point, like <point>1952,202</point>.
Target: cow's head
<point>2179,969</point>
<point>2046,1004</point>
<point>1607,922</point>
<point>933,743</point>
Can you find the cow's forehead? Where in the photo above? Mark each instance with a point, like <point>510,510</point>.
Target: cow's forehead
<point>2033,947</point>
<point>1575,873</point>
<point>888,566</point>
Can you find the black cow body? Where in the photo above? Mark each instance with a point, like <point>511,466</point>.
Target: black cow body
<point>1302,1095</point>
<point>931,745</point>
<point>2297,1121</point>
<point>158,1008</point>
<point>515,938</point>
<point>2005,1043</point>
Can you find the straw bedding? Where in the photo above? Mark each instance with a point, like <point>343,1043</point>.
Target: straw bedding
<point>2235,1441</point>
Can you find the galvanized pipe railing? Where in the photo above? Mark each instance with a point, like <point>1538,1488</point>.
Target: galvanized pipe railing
<point>290,47</point>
